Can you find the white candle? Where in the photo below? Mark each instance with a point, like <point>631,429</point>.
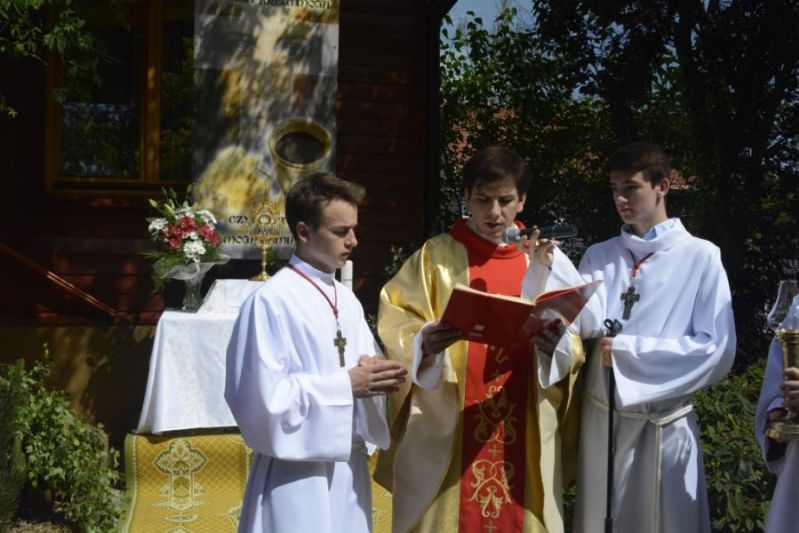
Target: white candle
<point>346,274</point>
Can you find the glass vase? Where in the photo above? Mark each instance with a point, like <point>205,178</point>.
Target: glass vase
<point>192,276</point>
<point>193,298</point>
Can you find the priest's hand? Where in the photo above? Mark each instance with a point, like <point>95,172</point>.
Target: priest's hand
<point>605,351</point>
<point>375,376</point>
<point>789,388</point>
<point>777,449</point>
<point>548,338</point>
<point>541,251</point>
<point>437,337</point>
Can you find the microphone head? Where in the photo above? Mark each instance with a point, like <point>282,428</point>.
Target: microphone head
<point>511,235</point>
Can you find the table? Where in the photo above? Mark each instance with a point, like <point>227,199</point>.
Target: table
<point>186,380</point>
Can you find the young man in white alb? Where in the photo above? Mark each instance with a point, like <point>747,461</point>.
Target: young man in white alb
<point>306,381</point>
<point>669,291</point>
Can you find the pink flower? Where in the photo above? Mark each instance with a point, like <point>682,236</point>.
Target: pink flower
<point>187,224</point>
<point>172,231</point>
<point>209,235</point>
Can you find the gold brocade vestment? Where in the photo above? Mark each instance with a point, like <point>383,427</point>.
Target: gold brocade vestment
<point>424,466</point>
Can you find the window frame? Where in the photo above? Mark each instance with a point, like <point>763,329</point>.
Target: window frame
<point>149,141</point>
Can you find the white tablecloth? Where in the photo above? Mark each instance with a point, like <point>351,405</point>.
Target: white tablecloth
<point>186,381</point>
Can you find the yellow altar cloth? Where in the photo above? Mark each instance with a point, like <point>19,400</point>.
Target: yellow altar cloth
<point>195,484</point>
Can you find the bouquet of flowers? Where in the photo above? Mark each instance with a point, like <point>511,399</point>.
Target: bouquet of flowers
<point>186,238</point>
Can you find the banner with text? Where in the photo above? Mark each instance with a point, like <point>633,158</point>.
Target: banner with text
<point>264,106</point>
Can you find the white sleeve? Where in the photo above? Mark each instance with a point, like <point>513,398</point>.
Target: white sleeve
<point>538,278</point>
<point>686,364</point>
<point>291,416</point>
<point>426,373</point>
<point>556,366</point>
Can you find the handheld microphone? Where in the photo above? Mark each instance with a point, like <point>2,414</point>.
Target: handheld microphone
<point>558,231</point>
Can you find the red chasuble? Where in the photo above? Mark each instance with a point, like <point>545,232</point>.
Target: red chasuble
<point>495,406</point>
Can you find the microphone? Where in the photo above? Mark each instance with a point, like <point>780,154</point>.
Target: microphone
<point>514,234</point>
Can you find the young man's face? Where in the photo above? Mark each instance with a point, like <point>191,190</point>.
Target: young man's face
<point>639,203</point>
<point>494,207</point>
<point>329,246</point>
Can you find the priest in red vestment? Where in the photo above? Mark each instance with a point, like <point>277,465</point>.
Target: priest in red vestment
<point>482,438</point>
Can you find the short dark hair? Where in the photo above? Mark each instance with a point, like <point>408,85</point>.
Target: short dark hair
<point>645,157</point>
<point>496,163</point>
<point>308,196</point>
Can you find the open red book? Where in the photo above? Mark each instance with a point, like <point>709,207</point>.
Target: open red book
<point>497,319</point>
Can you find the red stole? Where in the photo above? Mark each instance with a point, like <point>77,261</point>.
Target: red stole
<point>495,406</point>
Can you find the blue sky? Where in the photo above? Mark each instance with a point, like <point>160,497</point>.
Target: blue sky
<point>487,9</point>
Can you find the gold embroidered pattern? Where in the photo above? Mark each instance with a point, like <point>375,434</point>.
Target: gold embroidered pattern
<point>496,412</point>
<point>495,426</point>
<point>500,358</point>
<point>181,462</point>
<point>491,486</point>
<point>222,479</point>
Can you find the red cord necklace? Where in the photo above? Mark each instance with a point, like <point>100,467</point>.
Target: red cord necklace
<point>340,341</point>
<point>630,296</point>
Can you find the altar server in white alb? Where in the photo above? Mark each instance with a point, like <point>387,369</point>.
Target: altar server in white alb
<point>669,291</point>
<point>306,381</point>
<point>780,390</point>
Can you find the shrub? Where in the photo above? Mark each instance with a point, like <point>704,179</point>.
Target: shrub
<point>11,470</point>
<point>64,454</point>
<point>739,485</point>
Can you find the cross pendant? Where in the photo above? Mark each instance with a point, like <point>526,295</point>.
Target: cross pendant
<point>340,342</point>
<point>629,297</point>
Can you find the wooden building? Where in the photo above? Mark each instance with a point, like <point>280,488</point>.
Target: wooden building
<point>88,232</point>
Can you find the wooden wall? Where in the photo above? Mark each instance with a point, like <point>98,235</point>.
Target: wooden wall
<point>96,244</point>
<point>381,128</point>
